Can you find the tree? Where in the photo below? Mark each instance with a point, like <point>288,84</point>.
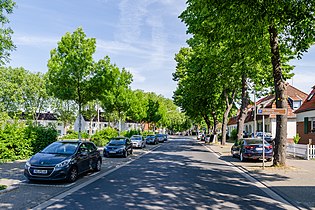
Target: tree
<point>265,29</point>
<point>138,106</point>
<point>6,8</point>
<point>117,98</point>
<point>70,69</point>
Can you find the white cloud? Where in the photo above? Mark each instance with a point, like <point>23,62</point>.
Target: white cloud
<point>36,41</point>
<point>137,77</point>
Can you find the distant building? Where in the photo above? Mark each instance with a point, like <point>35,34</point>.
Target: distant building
<point>295,100</point>
<point>50,119</point>
<point>305,119</point>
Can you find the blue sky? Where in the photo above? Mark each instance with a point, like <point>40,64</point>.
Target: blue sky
<point>140,35</point>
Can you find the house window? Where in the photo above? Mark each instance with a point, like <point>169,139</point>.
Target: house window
<point>59,124</point>
<point>59,132</point>
<point>297,104</point>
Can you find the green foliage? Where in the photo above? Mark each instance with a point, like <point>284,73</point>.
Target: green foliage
<point>3,187</point>
<point>102,137</point>
<point>145,133</point>
<point>6,7</point>
<point>234,134</point>
<point>13,143</point>
<point>296,138</point>
<point>74,135</point>
<point>40,136</point>
<point>130,133</point>
<point>18,141</point>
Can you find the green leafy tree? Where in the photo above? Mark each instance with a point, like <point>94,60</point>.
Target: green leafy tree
<point>6,8</point>
<point>71,68</point>
<point>117,98</point>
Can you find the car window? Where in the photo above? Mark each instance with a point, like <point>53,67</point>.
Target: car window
<point>91,147</point>
<point>66,148</point>
<point>83,148</point>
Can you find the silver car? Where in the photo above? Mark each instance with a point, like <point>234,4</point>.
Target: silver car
<point>137,141</point>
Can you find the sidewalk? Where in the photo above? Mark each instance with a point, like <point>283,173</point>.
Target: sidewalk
<point>295,182</point>
<point>11,174</point>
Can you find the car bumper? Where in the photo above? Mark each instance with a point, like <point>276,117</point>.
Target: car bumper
<point>56,174</point>
<point>114,153</point>
<point>256,156</point>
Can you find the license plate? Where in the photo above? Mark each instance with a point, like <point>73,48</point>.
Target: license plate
<point>259,149</point>
<point>112,152</point>
<point>36,171</point>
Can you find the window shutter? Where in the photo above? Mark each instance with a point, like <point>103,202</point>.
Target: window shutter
<point>305,125</point>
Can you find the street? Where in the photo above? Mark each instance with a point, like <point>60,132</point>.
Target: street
<point>180,174</point>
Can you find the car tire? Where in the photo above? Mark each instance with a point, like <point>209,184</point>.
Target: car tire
<point>242,159</point>
<point>125,153</point>
<point>72,175</point>
<point>98,165</point>
<point>131,151</point>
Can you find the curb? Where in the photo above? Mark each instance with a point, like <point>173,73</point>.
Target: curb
<point>10,188</point>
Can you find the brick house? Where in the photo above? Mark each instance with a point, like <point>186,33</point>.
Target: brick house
<point>295,100</point>
<point>305,125</point>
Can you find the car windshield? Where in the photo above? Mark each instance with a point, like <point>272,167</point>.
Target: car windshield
<point>136,138</point>
<point>159,135</point>
<point>117,142</point>
<point>150,136</point>
<point>65,148</point>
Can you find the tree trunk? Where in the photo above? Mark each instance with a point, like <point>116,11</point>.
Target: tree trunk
<point>215,122</point>
<point>80,123</point>
<point>281,100</point>
<point>243,109</point>
<point>207,120</point>
<point>229,105</point>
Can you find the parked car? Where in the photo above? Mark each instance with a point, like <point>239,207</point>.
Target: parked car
<point>137,141</point>
<point>151,139</point>
<point>119,146</point>
<point>251,148</point>
<point>267,136</point>
<point>160,137</point>
<point>207,138</point>
<point>199,136</point>
<point>63,160</point>
<point>165,137</point>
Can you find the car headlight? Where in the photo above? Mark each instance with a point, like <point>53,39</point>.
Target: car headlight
<point>27,164</point>
<point>63,163</point>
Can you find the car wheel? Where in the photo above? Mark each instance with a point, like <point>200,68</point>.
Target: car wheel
<point>98,165</point>
<point>72,174</point>
<point>242,157</point>
<point>131,151</point>
<point>125,153</point>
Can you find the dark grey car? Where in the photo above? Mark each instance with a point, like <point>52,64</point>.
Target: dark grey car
<point>63,160</point>
<point>120,146</point>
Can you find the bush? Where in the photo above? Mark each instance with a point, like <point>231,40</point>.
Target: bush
<point>40,137</point>
<point>102,137</point>
<point>296,138</point>
<point>13,143</point>
<point>145,133</point>
<point>74,135</point>
<point>234,134</point>
<point>18,141</point>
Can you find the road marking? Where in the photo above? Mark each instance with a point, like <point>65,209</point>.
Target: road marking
<point>286,204</point>
<point>86,183</point>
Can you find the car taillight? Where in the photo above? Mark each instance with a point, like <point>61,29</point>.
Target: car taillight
<point>269,147</point>
<point>249,147</point>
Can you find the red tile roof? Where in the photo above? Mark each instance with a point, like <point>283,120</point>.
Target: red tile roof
<point>309,103</point>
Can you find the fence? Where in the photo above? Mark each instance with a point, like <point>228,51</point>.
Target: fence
<point>305,151</point>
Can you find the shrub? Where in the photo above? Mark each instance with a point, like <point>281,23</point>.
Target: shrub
<point>296,138</point>
<point>75,135</point>
<point>145,133</point>
<point>102,137</point>
<point>40,137</point>
<point>13,144</point>
<point>234,134</point>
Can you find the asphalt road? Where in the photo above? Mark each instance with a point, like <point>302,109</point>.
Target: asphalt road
<point>180,174</point>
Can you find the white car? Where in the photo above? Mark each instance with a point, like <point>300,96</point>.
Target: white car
<point>137,141</point>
